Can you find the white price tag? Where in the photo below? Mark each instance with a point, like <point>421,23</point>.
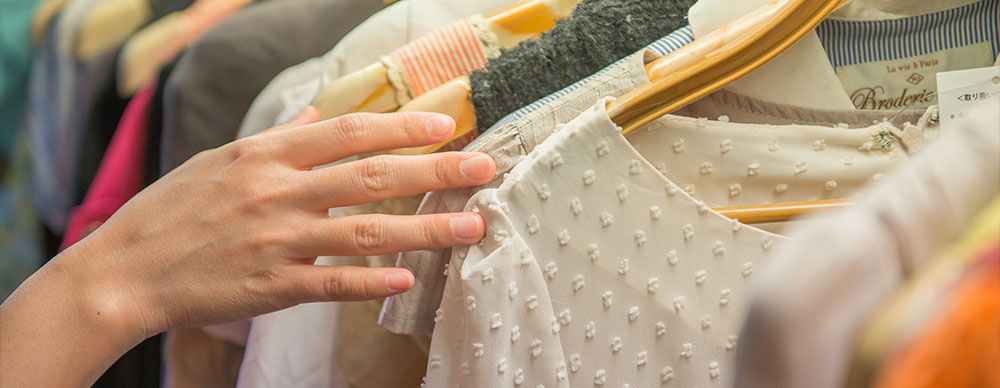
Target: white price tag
<point>964,91</point>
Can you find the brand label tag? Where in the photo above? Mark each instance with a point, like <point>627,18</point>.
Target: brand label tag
<point>908,82</point>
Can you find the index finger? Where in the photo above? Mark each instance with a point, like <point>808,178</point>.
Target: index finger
<point>351,134</point>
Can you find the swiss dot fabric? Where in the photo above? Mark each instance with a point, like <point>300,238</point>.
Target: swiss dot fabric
<point>597,270</point>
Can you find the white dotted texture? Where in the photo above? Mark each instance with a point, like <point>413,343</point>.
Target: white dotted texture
<point>617,311</point>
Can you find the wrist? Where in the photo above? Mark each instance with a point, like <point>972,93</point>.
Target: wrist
<point>64,325</point>
<point>106,300</point>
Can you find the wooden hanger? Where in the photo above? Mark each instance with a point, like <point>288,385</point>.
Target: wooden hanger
<point>108,24</point>
<point>531,17</point>
<point>156,44</point>
<point>370,90</point>
<point>454,99</point>
<point>677,79</point>
<point>779,212</point>
<point>44,14</point>
<point>805,65</point>
<point>723,56</point>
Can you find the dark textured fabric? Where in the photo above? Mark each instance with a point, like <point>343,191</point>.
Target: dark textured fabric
<point>139,367</point>
<point>107,107</point>
<point>154,132</point>
<point>102,120</point>
<point>143,365</point>
<point>214,85</point>
<point>598,33</point>
<point>161,8</point>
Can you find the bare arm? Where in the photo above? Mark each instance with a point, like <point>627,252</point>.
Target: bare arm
<point>231,234</point>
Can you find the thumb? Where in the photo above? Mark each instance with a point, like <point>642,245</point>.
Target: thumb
<point>306,116</point>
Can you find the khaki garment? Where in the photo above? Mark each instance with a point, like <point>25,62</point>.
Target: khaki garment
<point>195,359</point>
<point>859,258</point>
<point>366,347</point>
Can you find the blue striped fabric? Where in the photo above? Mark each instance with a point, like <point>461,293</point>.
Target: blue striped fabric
<point>853,42</point>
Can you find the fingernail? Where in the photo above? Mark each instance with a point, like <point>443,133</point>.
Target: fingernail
<point>399,281</point>
<point>476,168</point>
<point>440,126</point>
<point>301,114</point>
<point>467,227</point>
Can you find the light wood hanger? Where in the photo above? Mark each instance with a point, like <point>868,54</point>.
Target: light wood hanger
<point>44,14</point>
<point>454,99</point>
<point>532,16</point>
<point>779,212</point>
<point>683,76</point>
<point>370,90</point>
<point>806,63</point>
<point>108,24</point>
<point>156,44</point>
<point>677,79</point>
<point>721,57</point>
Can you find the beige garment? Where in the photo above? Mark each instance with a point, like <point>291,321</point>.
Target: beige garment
<point>413,312</point>
<point>199,360</point>
<point>806,314</point>
<point>367,348</point>
<point>595,255</point>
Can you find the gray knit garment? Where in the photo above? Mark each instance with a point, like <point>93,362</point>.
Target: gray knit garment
<point>598,33</point>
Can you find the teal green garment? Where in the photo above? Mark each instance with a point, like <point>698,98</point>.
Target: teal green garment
<point>15,64</point>
<point>20,229</point>
<point>20,233</point>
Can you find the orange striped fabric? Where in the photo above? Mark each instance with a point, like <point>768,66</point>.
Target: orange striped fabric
<point>447,53</point>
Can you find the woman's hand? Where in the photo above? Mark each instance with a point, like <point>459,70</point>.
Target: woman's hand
<point>234,233</point>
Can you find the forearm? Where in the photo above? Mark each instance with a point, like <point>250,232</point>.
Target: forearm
<point>233,233</point>
<point>62,328</point>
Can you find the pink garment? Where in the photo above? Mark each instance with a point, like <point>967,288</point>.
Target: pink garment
<point>120,175</point>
